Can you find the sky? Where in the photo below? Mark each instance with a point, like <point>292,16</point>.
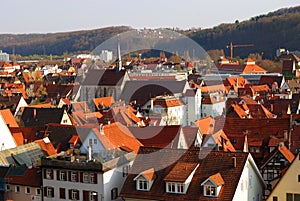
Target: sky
<point>50,16</point>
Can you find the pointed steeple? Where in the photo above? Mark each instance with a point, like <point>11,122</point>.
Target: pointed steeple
<point>119,58</point>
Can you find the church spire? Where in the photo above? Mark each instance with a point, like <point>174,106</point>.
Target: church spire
<point>119,58</point>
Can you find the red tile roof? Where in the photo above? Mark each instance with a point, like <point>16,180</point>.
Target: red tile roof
<point>119,135</point>
<point>164,161</point>
<point>32,178</point>
<point>46,146</point>
<point>217,179</point>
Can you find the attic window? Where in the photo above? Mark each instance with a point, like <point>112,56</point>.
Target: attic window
<point>212,185</point>
<point>172,187</point>
<point>145,179</point>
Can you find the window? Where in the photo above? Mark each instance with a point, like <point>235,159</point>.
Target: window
<point>38,191</point>
<point>17,189</point>
<point>270,175</point>
<point>49,174</point>
<point>125,170</point>
<point>95,141</point>
<point>142,185</point>
<point>27,190</point>
<point>299,178</point>
<point>175,187</point>
<point>62,193</point>
<point>90,141</point>
<point>74,176</point>
<point>85,177</point>
<point>62,176</point>
<point>65,121</point>
<point>93,178</point>
<point>8,187</point>
<point>275,198</point>
<point>292,197</point>
<point>114,193</point>
<point>93,196</point>
<point>210,190</point>
<point>73,194</point>
<point>49,192</point>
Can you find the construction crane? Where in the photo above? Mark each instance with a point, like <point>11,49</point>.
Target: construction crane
<point>231,46</point>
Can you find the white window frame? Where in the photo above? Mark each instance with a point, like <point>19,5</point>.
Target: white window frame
<point>91,178</point>
<point>74,194</point>
<point>86,177</point>
<point>49,173</point>
<point>62,176</point>
<point>74,176</point>
<point>17,189</point>
<point>27,190</point>
<point>50,192</point>
<point>8,187</point>
<point>173,187</point>
<point>210,188</point>
<point>141,185</point>
<point>93,195</point>
<point>37,191</point>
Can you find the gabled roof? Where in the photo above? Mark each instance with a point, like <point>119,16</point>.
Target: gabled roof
<point>206,125</point>
<point>46,146</point>
<point>157,136</point>
<point>164,161</point>
<point>103,102</point>
<point>8,118</point>
<point>119,135</point>
<point>181,171</point>
<point>269,80</point>
<point>216,179</point>
<point>41,116</point>
<point>27,154</point>
<point>104,77</point>
<point>143,91</point>
<point>286,153</point>
<point>147,174</point>
<point>32,177</point>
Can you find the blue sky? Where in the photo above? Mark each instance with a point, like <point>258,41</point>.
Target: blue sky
<point>44,16</point>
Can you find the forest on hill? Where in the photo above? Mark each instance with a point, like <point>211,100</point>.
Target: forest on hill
<point>265,33</point>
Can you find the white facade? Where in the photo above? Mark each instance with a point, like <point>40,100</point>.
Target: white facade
<point>4,56</point>
<point>65,120</point>
<point>106,55</point>
<point>108,180</point>
<point>6,139</point>
<point>214,110</point>
<point>92,141</point>
<point>193,106</point>
<point>251,184</point>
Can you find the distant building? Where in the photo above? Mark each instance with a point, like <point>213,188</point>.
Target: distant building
<point>4,56</point>
<point>106,55</point>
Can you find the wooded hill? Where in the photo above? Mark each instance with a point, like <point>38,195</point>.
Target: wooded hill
<point>266,32</point>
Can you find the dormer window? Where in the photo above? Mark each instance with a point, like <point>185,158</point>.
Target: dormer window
<point>212,185</point>
<point>145,179</point>
<point>173,187</point>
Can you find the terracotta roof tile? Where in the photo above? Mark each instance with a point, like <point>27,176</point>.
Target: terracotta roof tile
<point>217,179</point>
<point>46,146</point>
<point>32,178</point>
<point>286,153</point>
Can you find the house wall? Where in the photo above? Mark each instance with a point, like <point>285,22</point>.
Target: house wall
<point>113,179</point>
<point>193,105</point>
<point>96,148</point>
<point>56,184</point>
<point>6,139</point>
<point>213,110</point>
<point>65,120</point>
<point>22,195</point>
<point>289,182</point>
<point>250,186</point>
<point>22,103</point>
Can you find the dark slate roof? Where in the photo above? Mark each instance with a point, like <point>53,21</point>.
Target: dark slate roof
<point>59,135</point>
<point>104,77</point>
<point>180,161</point>
<point>39,117</point>
<point>143,90</point>
<point>269,80</point>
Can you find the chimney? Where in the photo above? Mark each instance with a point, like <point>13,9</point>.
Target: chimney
<point>34,113</point>
<point>101,129</point>
<point>89,153</point>
<point>234,162</point>
<point>285,133</point>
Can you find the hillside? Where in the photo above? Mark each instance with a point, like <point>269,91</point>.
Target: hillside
<point>57,43</point>
<point>266,32</point>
